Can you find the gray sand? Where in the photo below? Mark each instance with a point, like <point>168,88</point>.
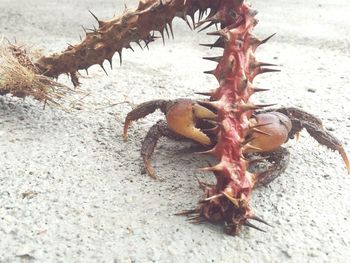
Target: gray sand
<point>71,188</point>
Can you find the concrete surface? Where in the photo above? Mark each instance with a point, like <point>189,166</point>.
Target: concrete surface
<point>71,189</point>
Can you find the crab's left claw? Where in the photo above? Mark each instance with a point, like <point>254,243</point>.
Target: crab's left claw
<point>183,116</point>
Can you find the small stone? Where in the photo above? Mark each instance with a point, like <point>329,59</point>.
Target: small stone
<point>329,127</point>
<point>25,252</point>
<point>311,90</point>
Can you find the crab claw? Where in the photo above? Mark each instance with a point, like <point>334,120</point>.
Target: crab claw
<point>183,116</point>
<point>267,132</point>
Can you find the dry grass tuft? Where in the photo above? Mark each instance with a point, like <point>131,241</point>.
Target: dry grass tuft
<point>19,78</point>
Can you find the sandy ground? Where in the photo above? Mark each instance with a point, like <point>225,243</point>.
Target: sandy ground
<point>71,189</point>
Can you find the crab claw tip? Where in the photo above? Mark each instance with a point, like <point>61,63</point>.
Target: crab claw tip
<point>182,118</point>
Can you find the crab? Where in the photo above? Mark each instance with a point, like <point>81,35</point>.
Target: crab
<point>196,120</point>
<point>192,119</point>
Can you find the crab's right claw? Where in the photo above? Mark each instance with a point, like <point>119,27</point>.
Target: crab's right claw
<point>182,118</point>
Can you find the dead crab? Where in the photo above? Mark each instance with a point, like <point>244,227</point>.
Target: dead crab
<point>195,120</point>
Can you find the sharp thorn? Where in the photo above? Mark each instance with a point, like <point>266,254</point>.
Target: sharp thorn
<point>187,22</point>
<point>256,218</point>
<point>146,45</point>
<point>265,105</point>
<point>248,224</point>
<point>215,59</point>
<point>262,64</point>
<point>245,142</point>
<point>262,132</point>
<point>187,212</point>
<point>193,21</point>
<point>208,19</point>
<point>213,130</point>
<point>213,197</point>
<point>194,218</point>
<point>84,29</point>
<point>209,72</point>
<point>207,26</point>
<point>101,65</point>
<point>267,39</point>
<point>218,43</point>
<point>120,56</point>
<point>200,15</point>
<point>162,34</point>
<point>211,151</point>
<point>139,44</point>
<point>215,33</point>
<point>260,125</point>
<point>247,107</point>
<point>204,185</point>
<point>171,30</point>
<point>167,31</point>
<point>210,169</point>
<point>110,63</point>
<point>266,70</point>
<point>94,16</point>
<point>205,93</point>
<point>234,201</point>
<point>215,123</point>
<point>249,146</point>
<point>259,89</point>
<point>207,45</point>
<point>130,47</point>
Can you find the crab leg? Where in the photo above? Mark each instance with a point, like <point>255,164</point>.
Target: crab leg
<point>160,129</point>
<point>278,159</point>
<point>325,138</point>
<point>301,119</point>
<point>142,111</point>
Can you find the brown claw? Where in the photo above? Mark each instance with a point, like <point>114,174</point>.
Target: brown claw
<point>182,117</point>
